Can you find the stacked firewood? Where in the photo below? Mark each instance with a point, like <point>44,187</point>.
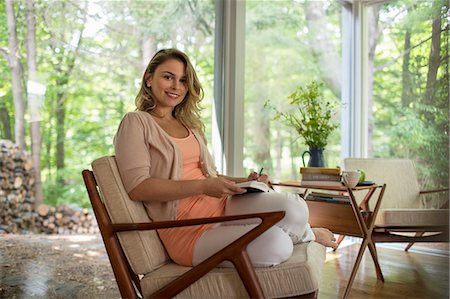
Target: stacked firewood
<point>66,219</point>
<point>17,211</point>
<point>16,188</point>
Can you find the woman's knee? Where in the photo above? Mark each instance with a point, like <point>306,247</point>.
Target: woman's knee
<point>271,248</point>
<point>295,207</point>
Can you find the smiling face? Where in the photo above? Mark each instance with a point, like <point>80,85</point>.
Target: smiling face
<point>168,84</point>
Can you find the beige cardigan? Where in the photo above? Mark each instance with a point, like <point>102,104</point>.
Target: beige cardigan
<point>143,150</point>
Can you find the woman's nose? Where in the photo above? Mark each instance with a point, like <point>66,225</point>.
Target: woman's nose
<point>176,84</point>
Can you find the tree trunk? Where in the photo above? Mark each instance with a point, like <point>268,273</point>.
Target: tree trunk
<point>16,76</point>
<point>407,92</point>
<point>434,59</point>
<point>148,50</point>
<point>34,124</point>
<point>323,48</point>
<point>62,82</point>
<point>60,129</point>
<point>6,122</point>
<point>261,133</point>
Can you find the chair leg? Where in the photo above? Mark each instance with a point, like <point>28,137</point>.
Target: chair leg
<point>245,270</point>
<point>418,234</point>
<point>355,268</point>
<point>373,252</point>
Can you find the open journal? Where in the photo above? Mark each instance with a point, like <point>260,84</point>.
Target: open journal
<point>254,186</point>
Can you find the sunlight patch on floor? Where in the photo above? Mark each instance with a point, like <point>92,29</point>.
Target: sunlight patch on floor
<point>395,246</point>
<point>74,238</point>
<point>415,249</point>
<point>37,285</point>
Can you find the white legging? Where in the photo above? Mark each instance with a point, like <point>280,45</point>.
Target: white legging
<point>272,247</point>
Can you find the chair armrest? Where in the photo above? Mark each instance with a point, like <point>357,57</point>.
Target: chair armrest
<point>121,227</point>
<point>433,191</point>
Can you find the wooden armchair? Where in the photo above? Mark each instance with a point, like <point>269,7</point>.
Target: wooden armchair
<point>143,269</point>
<point>402,211</point>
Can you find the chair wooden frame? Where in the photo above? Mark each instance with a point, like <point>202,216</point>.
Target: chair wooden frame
<point>128,282</point>
<point>438,232</point>
<point>391,233</point>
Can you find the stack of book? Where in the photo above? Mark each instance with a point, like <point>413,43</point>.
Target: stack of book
<point>321,176</point>
<point>318,196</point>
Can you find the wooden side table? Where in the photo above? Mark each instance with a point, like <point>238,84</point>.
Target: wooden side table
<point>346,219</point>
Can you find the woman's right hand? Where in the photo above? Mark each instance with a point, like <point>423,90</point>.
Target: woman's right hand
<point>220,187</point>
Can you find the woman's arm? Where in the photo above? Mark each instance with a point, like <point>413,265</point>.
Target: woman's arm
<point>167,190</point>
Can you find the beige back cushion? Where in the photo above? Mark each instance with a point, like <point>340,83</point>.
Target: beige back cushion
<point>399,175</point>
<point>143,249</point>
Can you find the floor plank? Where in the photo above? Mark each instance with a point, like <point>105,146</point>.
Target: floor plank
<point>415,274</point>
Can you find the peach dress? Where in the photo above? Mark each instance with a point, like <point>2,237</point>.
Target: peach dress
<point>180,242</point>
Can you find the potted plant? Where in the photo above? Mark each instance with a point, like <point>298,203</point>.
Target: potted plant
<point>310,114</point>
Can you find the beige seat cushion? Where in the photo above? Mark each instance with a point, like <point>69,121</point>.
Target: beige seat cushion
<point>412,217</point>
<point>299,275</point>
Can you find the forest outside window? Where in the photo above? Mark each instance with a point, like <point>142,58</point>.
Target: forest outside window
<point>287,44</point>
<point>91,56</point>
<point>408,91</point>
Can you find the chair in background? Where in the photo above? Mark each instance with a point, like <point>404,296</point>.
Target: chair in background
<point>142,267</point>
<point>403,210</point>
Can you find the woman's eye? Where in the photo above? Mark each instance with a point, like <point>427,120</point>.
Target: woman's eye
<point>167,77</point>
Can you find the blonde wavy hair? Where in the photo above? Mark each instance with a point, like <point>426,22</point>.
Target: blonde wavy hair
<point>188,111</point>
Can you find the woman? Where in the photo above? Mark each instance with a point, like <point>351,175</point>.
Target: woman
<point>163,161</point>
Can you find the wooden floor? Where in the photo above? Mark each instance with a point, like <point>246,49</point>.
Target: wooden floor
<point>42,266</point>
<point>420,273</point>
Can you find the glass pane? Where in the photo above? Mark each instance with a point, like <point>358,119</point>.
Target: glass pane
<point>408,97</point>
<point>92,55</point>
<point>137,29</point>
<point>288,44</point>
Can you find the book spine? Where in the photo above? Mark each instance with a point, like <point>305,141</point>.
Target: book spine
<point>322,183</point>
<point>328,199</point>
<point>328,195</point>
<point>322,170</point>
<point>320,177</point>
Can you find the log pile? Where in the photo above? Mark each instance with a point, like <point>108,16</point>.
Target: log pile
<point>66,219</point>
<point>17,211</point>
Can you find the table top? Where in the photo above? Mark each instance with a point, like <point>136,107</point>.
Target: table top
<point>299,184</point>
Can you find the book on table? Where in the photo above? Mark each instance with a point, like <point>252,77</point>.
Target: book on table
<point>254,186</point>
<point>319,196</point>
<point>320,170</point>
<point>321,176</point>
<point>321,183</point>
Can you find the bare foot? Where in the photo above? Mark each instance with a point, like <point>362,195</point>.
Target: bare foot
<point>325,237</point>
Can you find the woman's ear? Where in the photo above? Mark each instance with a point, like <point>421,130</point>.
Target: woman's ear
<point>148,79</point>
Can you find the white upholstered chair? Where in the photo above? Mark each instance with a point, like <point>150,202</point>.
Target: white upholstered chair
<point>143,268</point>
<point>402,208</point>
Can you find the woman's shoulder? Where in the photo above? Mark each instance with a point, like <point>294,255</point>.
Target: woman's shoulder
<point>136,114</point>
<point>141,117</point>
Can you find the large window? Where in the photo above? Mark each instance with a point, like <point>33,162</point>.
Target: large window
<point>408,90</point>
<point>287,44</point>
<point>91,56</point>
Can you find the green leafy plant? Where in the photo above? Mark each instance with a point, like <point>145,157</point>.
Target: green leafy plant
<point>309,113</point>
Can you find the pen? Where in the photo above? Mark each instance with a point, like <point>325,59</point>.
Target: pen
<point>260,172</point>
